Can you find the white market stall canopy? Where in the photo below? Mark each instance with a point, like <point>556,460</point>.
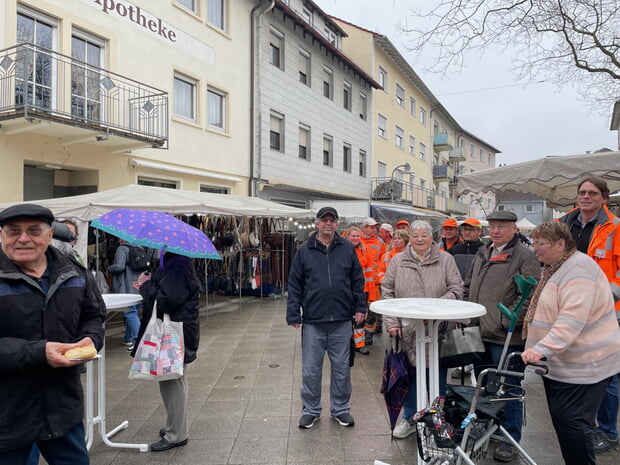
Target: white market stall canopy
<point>525,225</point>
<point>87,207</point>
<point>554,179</point>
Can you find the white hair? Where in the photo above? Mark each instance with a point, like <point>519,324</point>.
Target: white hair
<point>421,224</point>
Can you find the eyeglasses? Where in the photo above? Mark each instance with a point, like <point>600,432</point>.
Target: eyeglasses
<point>588,193</point>
<point>501,227</point>
<point>469,230</point>
<point>541,244</point>
<point>32,231</point>
<point>423,236</point>
<point>328,220</point>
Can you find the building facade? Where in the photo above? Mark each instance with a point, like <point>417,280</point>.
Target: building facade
<point>100,94</point>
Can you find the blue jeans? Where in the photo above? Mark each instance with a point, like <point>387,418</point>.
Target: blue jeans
<point>411,401</point>
<point>608,412</point>
<point>132,323</point>
<point>513,411</point>
<point>69,449</point>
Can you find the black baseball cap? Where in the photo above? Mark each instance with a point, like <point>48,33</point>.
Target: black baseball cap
<point>28,211</point>
<point>327,211</point>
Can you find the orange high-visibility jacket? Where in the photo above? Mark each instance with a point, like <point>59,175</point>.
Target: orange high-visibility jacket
<point>385,261</point>
<point>604,247</point>
<point>374,248</point>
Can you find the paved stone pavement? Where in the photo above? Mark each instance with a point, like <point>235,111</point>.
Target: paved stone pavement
<point>244,402</point>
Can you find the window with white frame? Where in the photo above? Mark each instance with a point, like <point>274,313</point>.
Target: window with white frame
<point>382,126</point>
<point>383,78</point>
<point>362,164</point>
<point>346,95</point>
<point>185,97</point>
<point>154,182</point>
<point>435,128</point>
<point>86,95</point>
<point>490,159</point>
<point>328,83</point>
<point>529,208</point>
<point>216,13</point>
<point>215,189</point>
<point>481,155</point>
<point>422,116</point>
<point>471,150</point>
<point>304,142</point>
<point>307,15</point>
<point>276,48</point>
<point>304,67</point>
<point>216,108</point>
<point>400,96</point>
<point>412,106</point>
<point>189,4</point>
<point>346,158</point>
<point>363,106</point>
<point>422,151</point>
<point>328,150</point>
<point>422,183</point>
<point>381,169</point>
<point>276,131</point>
<point>412,145</point>
<point>399,136</point>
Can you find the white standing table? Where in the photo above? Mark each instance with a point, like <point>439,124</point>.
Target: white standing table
<point>432,311</point>
<point>114,303</point>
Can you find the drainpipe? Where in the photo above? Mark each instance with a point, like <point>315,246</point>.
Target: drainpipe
<point>255,84</point>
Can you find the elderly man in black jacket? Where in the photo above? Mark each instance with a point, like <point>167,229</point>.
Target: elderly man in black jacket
<point>49,305</point>
<point>325,294</point>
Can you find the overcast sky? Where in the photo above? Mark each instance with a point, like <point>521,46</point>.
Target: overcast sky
<point>524,122</point>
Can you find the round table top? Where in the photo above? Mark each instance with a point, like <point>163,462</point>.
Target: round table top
<point>117,301</point>
<point>428,309</point>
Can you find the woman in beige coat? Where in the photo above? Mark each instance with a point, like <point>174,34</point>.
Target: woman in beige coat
<point>420,271</point>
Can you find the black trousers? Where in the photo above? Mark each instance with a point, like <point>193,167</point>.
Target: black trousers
<point>573,409</point>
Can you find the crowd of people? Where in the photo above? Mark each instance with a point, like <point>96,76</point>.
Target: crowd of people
<point>53,304</point>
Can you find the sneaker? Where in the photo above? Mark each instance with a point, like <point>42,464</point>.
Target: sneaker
<point>403,429</point>
<point>125,343</point>
<point>362,350</point>
<point>505,452</point>
<point>345,419</point>
<point>130,348</point>
<point>308,421</point>
<point>603,443</point>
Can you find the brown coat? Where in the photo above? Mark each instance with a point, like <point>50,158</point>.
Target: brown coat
<point>437,277</point>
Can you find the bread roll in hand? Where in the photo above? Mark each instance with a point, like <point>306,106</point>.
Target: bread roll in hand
<point>81,353</point>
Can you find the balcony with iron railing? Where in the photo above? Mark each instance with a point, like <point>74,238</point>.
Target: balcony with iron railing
<point>53,94</point>
<point>397,191</point>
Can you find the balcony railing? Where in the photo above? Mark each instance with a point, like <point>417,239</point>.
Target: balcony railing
<point>440,173</point>
<point>39,83</point>
<point>398,191</point>
<point>441,142</point>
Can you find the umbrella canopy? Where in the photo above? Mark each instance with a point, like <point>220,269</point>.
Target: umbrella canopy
<point>525,225</point>
<point>396,381</point>
<point>554,179</point>
<point>158,230</point>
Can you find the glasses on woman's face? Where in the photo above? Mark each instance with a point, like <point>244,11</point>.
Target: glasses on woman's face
<point>415,237</point>
<point>538,245</point>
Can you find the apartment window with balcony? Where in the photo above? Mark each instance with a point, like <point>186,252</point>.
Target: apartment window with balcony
<point>85,81</point>
<point>328,150</point>
<point>362,164</point>
<point>412,106</point>
<point>216,108</point>
<point>34,79</point>
<point>304,142</point>
<point>328,83</point>
<point>400,96</point>
<point>346,158</point>
<point>276,48</point>
<point>422,116</point>
<point>399,136</point>
<point>189,4</point>
<point>382,128</point>
<point>383,78</point>
<point>217,12</point>
<point>346,96</point>
<point>304,67</point>
<point>422,151</point>
<point>412,145</point>
<point>276,131</point>
<point>363,106</point>
<point>185,97</point>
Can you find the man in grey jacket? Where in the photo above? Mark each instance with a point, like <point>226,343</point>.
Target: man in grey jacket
<point>490,281</point>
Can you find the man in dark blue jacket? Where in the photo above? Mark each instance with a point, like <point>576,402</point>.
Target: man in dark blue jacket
<point>325,294</point>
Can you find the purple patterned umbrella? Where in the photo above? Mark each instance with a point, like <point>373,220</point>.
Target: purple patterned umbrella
<point>158,230</point>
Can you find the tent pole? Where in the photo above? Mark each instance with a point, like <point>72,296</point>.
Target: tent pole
<point>206,292</point>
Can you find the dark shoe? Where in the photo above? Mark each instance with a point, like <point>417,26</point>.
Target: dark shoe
<point>603,443</point>
<point>162,432</point>
<point>125,343</point>
<point>505,452</point>
<point>345,419</point>
<point>368,342</point>
<point>163,445</point>
<point>308,421</point>
<point>362,350</point>
<point>379,329</point>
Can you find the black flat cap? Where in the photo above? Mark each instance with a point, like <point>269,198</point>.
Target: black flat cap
<point>327,211</point>
<point>28,211</point>
<point>502,215</point>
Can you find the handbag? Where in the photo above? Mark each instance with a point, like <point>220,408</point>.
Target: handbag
<point>460,346</point>
<point>161,351</point>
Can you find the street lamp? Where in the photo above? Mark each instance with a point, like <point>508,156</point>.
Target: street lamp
<point>405,168</point>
